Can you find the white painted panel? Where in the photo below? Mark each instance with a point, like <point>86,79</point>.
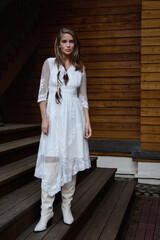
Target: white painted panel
<point>124,165</point>
<point>148,170</point>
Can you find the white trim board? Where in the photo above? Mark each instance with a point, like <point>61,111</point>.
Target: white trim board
<point>145,172</point>
<point>124,165</point>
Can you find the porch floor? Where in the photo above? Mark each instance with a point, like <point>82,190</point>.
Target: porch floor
<point>144,219</point>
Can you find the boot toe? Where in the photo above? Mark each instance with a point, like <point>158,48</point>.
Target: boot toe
<point>67,216</point>
<point>68,222</point>
<point>39,228</point>
<point>43,223</point>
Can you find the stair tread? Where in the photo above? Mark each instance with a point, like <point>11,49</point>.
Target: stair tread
<point>102,212</point>
<point>119,212</point>
<point>9,202</point>
<point>12,170</point>
<point>84,195</point>
<point>17,127</point>
<point>9,146</point>
<point>109,213</point>
<point>82,199</point>
<point>24,197</point>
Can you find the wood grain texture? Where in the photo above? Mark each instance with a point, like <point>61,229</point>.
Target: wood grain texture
<point>150,76</point>
<point>150,58</point>
<point>152,32</point>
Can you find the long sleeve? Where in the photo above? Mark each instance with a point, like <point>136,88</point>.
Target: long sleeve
<point>82,93</point>
<point>44,82</point>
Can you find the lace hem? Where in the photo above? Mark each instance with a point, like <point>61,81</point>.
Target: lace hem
<point>58,188</point>
<point>53,184</point>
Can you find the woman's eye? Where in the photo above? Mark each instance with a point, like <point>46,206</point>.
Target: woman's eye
<point>71,41</point>
<point>63,41</point>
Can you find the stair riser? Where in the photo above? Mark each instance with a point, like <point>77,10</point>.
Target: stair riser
<point>18,154</point>
<point>12,136</point>
<point>19,225</point>
<point>82,220</point>
<point>83,174</point>
<point>17,182</point>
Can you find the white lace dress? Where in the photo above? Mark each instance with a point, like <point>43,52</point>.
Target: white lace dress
<point>64,152</point>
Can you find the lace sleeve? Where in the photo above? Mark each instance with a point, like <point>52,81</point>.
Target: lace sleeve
<point>82,93</point>
<point>44,83</point>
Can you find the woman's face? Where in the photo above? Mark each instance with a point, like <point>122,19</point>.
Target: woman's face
<point>67,44</point>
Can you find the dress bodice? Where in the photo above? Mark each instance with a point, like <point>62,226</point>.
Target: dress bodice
<point>48,81</point>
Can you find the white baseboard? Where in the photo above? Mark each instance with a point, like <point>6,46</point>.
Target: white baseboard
<point>148,172</point>
<point>125,175</point>
<point>124,165</point>
<point>149,181</point>
<point>145,172</point>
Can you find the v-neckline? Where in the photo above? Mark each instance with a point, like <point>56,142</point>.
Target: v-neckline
<point>67,69</point>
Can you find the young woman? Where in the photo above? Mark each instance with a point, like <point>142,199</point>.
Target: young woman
<point>63,148</point>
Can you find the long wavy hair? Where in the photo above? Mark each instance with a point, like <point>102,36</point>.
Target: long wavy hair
<point>75,55</point>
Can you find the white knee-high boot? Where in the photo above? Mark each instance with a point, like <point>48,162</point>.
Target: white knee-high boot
<point>46,211</point>
<point>67,192</point>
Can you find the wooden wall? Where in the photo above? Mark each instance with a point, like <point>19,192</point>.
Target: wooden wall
<point>109,32</point>
<point>150,76</point>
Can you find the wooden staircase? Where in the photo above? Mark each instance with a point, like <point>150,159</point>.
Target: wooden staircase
<point>99,206</point>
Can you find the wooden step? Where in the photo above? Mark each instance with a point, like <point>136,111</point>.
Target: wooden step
<point>22,207</point>
<point>11,132</point>
<point>16,150</point>
<point>17,207</point>
<point>88,194</point>
<point>109,217</point>
<point>17,174</point>
<point>82,208</point>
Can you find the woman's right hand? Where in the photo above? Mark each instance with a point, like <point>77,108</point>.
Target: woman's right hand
<point>45,126</point>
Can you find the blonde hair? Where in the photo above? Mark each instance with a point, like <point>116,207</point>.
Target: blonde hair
<point>75,55</point>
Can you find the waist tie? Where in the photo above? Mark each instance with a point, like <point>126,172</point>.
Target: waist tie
<point>68,91</point>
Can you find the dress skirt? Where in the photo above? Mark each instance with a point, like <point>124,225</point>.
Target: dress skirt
<point>64,151</point>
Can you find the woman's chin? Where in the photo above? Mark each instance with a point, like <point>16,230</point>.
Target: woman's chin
<point>67,53</point>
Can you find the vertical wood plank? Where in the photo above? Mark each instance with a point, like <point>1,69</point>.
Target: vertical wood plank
<point>150,76</point>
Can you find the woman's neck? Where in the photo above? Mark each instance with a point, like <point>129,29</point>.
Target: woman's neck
<point>66,58</point>
<point>67,62</point>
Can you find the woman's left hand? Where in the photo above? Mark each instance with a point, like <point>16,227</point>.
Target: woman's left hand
<point>88,131</point>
